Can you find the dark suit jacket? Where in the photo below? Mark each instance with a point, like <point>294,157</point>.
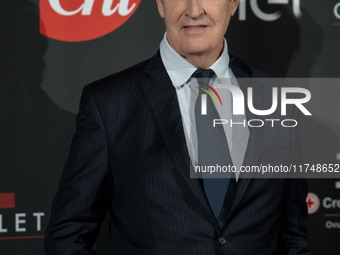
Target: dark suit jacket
<point>129,156</point>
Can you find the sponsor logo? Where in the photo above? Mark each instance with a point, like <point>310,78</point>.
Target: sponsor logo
<point>331,206</point>
<point>269,17</point>
<point>13,222</point>
<point>82,20</point>
<point>313,203</point>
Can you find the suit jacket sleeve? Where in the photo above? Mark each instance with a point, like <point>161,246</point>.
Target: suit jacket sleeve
<point>82,198</point>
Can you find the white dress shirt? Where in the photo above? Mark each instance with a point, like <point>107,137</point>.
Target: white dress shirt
<point>180,72</point>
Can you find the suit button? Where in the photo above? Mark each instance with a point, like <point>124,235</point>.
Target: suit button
<point>222,240</point>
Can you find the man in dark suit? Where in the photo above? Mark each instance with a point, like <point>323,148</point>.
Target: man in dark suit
<point>130,155</point>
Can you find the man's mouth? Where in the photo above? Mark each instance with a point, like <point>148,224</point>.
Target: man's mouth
<point>195,28</point>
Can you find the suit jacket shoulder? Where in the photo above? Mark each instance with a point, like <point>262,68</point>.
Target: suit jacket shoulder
<point>134,72</point>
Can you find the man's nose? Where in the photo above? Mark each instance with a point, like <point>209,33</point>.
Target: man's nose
<point>194,9</point>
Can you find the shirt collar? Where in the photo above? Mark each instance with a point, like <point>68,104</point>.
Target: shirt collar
<point>180,70</point>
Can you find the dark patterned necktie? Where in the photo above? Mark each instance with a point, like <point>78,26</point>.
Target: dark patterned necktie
<point>212,145</point>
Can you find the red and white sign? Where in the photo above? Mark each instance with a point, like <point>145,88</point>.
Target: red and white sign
<point>313,203</point>
<point>82,20</point>
<point>15,222</point>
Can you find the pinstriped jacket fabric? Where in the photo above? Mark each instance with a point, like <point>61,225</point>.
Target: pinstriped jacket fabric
<point>129,156</point>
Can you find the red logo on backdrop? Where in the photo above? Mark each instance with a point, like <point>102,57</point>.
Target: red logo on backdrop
<point>82,20</point>
<point>313,203</point>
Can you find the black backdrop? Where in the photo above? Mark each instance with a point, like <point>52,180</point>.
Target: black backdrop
<point>41,81</point>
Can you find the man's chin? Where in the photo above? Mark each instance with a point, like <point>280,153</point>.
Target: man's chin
<point>196,50</point>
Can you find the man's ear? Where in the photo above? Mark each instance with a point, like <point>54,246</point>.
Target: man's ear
<point>160,6</point>
<point>234,6</point>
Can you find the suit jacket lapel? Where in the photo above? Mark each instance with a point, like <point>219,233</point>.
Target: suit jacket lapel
<point>253,152</point>
<point>162,100</point>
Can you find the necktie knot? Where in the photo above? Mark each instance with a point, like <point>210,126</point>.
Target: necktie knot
<point>204,73</point>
